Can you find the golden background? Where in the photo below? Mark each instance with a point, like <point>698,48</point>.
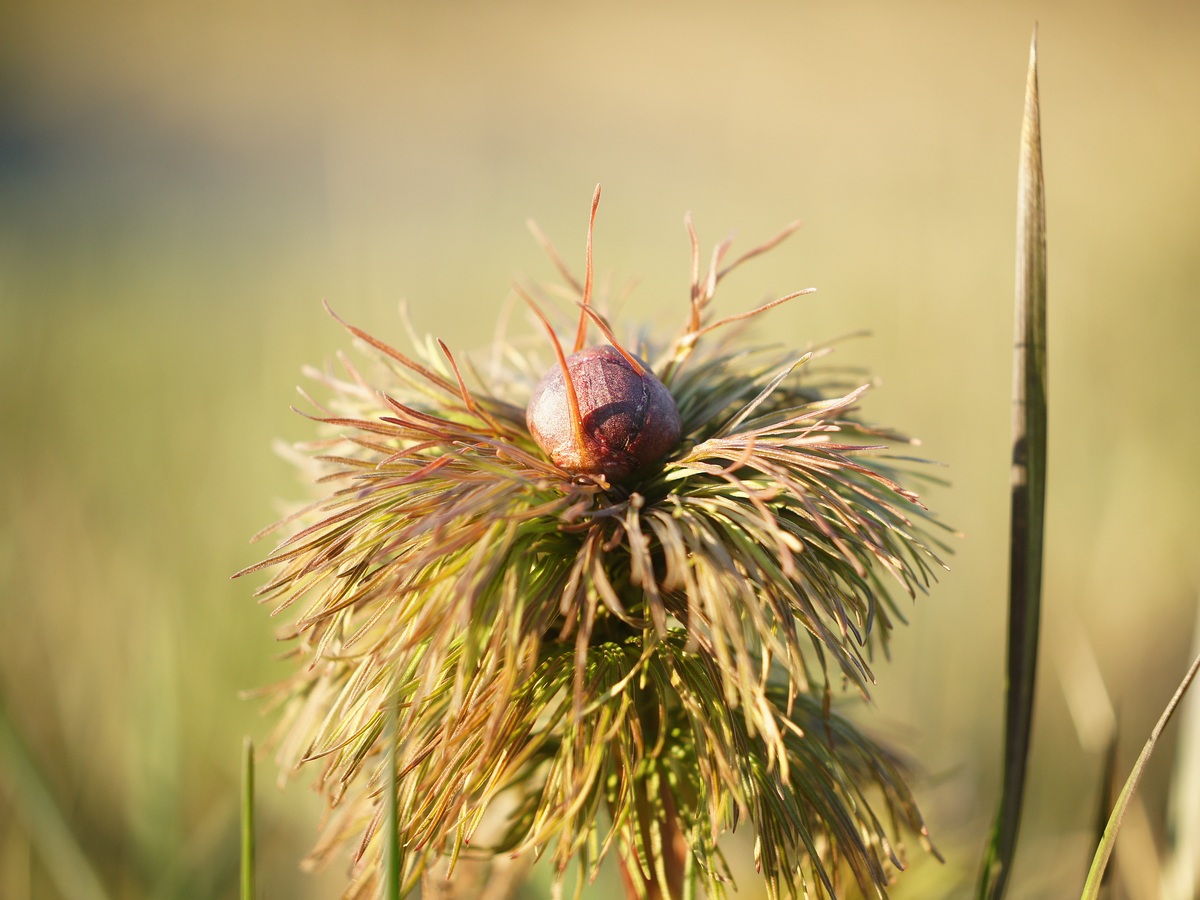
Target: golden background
<point>181,184</point>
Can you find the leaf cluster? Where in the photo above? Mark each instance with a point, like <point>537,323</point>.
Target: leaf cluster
<point>579,667</point>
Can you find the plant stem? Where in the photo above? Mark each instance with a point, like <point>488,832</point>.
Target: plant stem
<point>248,836</point>
<point>665,858</point>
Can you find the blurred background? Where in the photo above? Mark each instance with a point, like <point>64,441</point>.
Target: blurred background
<point>182,183</point>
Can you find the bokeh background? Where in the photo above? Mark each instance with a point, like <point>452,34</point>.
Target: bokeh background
<point>182,183</point>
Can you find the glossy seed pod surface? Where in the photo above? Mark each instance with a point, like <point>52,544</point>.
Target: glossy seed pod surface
<point>628,420</point>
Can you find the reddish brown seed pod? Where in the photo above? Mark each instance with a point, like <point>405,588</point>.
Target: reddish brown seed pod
<point>627,419</point>
<point>600,411</point>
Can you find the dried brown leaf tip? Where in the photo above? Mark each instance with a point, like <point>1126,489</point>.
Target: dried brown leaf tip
<point>610,603</point>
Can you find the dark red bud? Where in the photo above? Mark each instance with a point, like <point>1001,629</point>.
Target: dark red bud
<point>629,420</point>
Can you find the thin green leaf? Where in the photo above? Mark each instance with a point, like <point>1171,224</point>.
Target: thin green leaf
<point>1028,491</point>
<point>1091,888</point>
<point>248,869</point>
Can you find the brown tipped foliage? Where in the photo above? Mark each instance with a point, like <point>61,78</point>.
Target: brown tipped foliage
<point>581,667</point>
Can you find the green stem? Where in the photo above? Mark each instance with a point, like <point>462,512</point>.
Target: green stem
<point>248,850</point>
<point>665,854</point>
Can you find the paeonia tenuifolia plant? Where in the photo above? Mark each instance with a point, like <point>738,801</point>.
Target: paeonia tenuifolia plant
<point>606,597</point>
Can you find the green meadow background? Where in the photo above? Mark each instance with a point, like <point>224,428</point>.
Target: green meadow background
<point>182,183</point>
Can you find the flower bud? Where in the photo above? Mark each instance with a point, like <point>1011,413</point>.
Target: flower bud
<point>628,419</point>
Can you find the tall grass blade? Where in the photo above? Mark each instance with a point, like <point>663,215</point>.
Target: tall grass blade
<point>248,819</point>
<point>31,799</point>
<point>1091,888</point>
<point>1028,491</point>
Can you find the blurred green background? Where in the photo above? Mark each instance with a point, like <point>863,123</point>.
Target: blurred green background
<point>182,183</point>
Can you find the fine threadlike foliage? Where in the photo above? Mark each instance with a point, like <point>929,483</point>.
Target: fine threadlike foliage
<point>577,667</point>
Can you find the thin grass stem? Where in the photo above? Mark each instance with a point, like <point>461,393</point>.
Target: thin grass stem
<point>1091,888</point>
<point>248,849</point>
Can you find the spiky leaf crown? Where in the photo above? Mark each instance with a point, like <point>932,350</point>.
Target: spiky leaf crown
<point>577,666</point>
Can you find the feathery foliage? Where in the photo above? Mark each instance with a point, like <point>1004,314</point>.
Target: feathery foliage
<point>577,667</point>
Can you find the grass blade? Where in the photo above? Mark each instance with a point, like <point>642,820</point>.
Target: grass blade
<point>391,823</point>
<point>1181,873</point>
<point>1108,786</point>
<point>1091,888</point>
<point>248,819</point>
<point>48,830</point>
<point>1028,491</point>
